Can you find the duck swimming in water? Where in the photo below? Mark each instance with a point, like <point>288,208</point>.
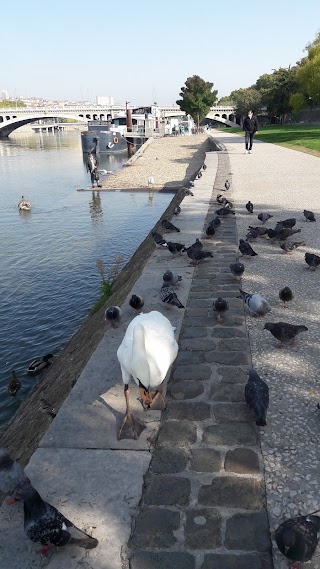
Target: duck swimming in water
<point>39,364</point>
<point>14,384</point>
<point>146,353</point>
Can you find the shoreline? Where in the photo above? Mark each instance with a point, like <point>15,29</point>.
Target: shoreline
<point>33,417</point>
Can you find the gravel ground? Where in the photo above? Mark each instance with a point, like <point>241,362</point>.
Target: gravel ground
<point>283,182</point>
<point>170,161</point>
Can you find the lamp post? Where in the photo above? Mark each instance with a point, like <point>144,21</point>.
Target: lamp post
<point>310,103</point>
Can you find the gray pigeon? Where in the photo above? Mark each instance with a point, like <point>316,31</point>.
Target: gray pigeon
<point>284,332</point>
<point>256,394</point>
<point>12,476</point>
<point>286,232</point>
<point>224,211</point>
<point>252,234</point>
<point>297,538</point>
<point>289,247</point>
<point>188,192</point>
<point>261,230</point>
<point>220,306</point>
<point>136,302</point>
<point>312,260</point>
<point>237,269</point>
<point>286,223</point>
<point>264,217</point>
<point>158,239</point>
<point>113,315</point>
<point>215,222</point>
<point>197,244</point>
<point>170,278</point>
<point>168,296</point>
<point>176,210</point>
<point>309,215</point>
<point>249,207</point>
<point>168,226</point>
<point>246,249</point>
<point>227,185</point>
<point>43,523</point>
<point>256,303</point>
<point>210,231</point>
<point>221,199</point>
<point>285,294</point>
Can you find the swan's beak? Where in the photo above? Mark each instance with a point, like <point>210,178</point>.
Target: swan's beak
<point>145,397</point>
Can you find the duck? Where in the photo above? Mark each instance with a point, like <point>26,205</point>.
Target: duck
<point>14,384</point>
<point>38,364</point>
<point>146,353</point>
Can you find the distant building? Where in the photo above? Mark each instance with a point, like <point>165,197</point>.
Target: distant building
<point>105,101</point>
<point>4,95</point>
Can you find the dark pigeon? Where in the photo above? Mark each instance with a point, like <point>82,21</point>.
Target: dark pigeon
<point>221,199</point>
<point>199,175</point>
<point>297,538</point>
<point>309,215</point>
<point>284,332</point>
<point>283,234</point>
<point>177,210</point>
<point>43,523</point>
<point>264,217</point>
<point>256,394</point>
<point>224,211</point>
<point>136,302</point>
<point>285,294</point>
<point>204,167</point>
<point>249,207</point>
<point>170,278</point>
<point>188,192</point>
<point>215,222</point>
<point>237,269</point>
<point>113,315</point>
<point>168,296</point>
<point>175,248</point>
<point>210,231</point>
<point>197,244</point>
<point>246,249</point>
<point>12,476</point>
<point>197,255</point>
<point>312,260</point>
<point>289,247</point>
<point>158,239</point>
<point>261,230</point>
<point>252,234</point>
<point>220,306</point>
<point>168,226</point>
<point>286,223</point>
<point>227,185</point>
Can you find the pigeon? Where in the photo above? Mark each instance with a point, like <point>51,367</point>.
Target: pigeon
<point>168,295</point>
<point>220,199</point>
<point>220,306</point>
<point>170,278</point>
<point>176,210</point>
<point>256,303</point>
<point>312,260</point>
<point>196,254</point>
<point>261,230</point>
<point>43,523</point>
<point>188,192</point>
<point>246,249</point>
<point>252,234</point>
<point>191,184</point>
<point>204,167</point>
<point>197,244</point>
<point>283,234</point>
<point>223,211</point>
<point>113,315</point>
<point>227,185</point>
<point>284,332</point>
<point>175,248</point>
<point>249,207</point>
<point>256,393</point>
<point>210,231</point>
<point>228,205</point>
<point>158,239</point>
<point>215,222</point>
<point>168,226</point>
<point>12,476</point>
<point>285,294</point>
<point>14,384</point>
<point>136,302</point>
<point>264,217</point>
<point>309,215</point>
<point>288,247</point>
<point>297,538</point>
<point>199,175</point>
<point>237,269</point>
<point>286,223</point>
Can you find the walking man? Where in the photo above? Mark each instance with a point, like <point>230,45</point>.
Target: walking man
<point>250,126</point>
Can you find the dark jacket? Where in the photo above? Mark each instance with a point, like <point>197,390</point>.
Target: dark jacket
<point>250,125</point>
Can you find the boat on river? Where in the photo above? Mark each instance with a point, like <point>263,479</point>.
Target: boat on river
<point>112,133</point>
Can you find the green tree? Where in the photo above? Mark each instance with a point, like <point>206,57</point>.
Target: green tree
<point>226,101</point>
<point>197,97</point>
<point>246,99</point>
<point>277,97</point>
<point>308,72</point>
<point>11,104</point>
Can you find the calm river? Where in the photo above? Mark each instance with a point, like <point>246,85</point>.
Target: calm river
<point>48,275</point>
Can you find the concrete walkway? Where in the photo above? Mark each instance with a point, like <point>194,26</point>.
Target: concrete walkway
<point>200,502</point>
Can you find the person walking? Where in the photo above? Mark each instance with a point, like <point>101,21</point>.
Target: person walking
<point>250,126</point>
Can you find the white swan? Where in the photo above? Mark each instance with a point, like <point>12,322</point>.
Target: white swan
<point>146,353</point>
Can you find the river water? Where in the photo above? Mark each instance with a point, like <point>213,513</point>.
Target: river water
<point>48,275</point>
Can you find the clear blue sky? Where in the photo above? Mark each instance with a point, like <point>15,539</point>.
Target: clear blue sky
<point>143,51</point>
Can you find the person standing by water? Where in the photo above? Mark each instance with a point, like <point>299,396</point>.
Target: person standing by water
<point>250,126</point>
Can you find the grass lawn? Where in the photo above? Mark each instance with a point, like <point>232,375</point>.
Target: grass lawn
<point>305,138</point>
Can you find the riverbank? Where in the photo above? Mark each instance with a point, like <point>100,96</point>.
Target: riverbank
<point>35,414</point>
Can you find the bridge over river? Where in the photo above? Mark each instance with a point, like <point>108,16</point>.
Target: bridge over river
<point>11,119</point>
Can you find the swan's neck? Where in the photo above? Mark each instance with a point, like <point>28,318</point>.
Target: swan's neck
<point>140,364</point>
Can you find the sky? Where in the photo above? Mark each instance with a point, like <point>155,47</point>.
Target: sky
<point>143,51</point>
